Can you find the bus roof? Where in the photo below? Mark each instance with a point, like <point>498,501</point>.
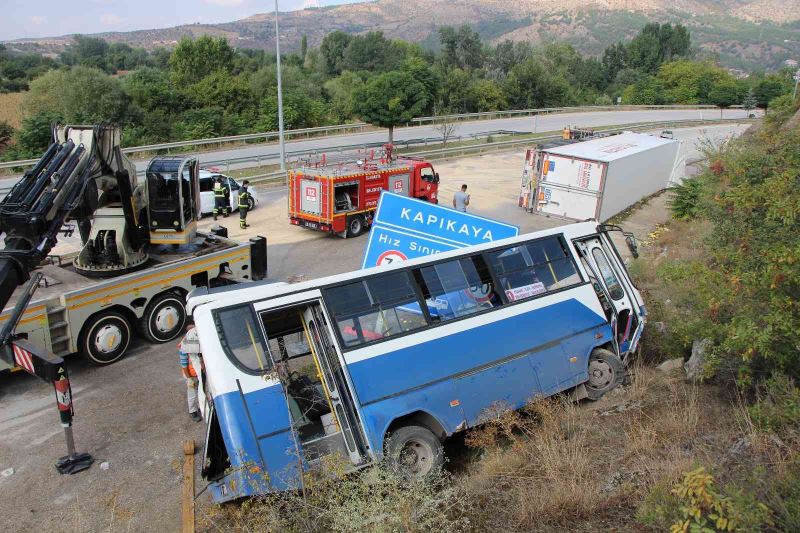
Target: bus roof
<point>248,292</point>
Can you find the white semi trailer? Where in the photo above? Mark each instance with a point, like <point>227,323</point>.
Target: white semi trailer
<point>598,178</point>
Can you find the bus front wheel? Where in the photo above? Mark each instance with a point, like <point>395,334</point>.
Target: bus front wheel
<point>606,371</point>
<point>414,451</point>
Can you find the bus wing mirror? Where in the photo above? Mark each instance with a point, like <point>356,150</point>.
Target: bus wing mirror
<point>630,240</point>
<point>436,177</point>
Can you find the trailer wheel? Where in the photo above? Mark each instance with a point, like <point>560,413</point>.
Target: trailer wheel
<point>414,451</point>
<point>606,372</point>
<point>355,226</point>
<point>105,337</point>
<point>163,318</point>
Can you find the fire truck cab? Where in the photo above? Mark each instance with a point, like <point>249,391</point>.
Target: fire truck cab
<point>341,197</point>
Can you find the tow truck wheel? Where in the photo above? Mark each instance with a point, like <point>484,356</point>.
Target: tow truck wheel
<point>105,337</point>
<point>163,318</point>
<point>355,226</point>
<point>414,451</point>
<point>606,372</point>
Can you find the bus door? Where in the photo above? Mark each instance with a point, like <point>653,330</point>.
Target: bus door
<point>343,415</point>
<point>610,284</point>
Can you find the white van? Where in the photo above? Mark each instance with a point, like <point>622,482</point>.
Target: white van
<point>207,179</point>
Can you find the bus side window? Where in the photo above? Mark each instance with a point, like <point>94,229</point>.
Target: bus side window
<point>524,271</point>
<point>375,308</point>
<point>457,288</point>
<point>241,339</point>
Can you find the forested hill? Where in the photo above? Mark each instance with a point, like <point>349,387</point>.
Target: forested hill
<point>743,33</point>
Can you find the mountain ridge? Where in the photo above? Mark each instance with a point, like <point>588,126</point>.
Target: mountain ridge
<point>742,32</point>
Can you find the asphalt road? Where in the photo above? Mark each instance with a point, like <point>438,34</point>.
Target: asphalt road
<point>132,415</point>
<point>540,123</point>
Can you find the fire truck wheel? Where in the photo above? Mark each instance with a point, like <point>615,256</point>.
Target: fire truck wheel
<point>163,318</point>
<point>606,371</point>
<point>355,226</point>
<point>105,337</point>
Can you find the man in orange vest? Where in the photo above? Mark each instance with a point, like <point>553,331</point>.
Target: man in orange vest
<point>191,365</point>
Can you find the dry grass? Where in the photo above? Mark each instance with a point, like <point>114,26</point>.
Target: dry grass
<point>11,108</point>
<point>588,467</point>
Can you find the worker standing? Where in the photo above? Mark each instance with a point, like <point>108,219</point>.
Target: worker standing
<point>244,204</point>
<point>461,199</point>
<point>222,197</point>
<point>191,364</point>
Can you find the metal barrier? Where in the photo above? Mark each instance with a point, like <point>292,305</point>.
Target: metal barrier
<point>435,153</point>
<point>361,126</point>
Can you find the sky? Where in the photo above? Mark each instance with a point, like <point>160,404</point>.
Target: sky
<point>49,18</point>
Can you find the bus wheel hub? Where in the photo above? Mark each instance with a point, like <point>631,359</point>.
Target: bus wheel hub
<point>600,374</point>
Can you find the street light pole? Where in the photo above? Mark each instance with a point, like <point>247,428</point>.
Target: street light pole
<point>280,90</point>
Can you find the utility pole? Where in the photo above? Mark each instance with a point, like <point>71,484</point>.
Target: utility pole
<point>280,90</point>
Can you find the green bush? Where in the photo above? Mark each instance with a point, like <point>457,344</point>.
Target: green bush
<point>778,407</point>
<point>742,290</point>
<point>684,199</point>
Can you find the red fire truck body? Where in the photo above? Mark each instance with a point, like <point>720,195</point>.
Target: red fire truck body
<point>342,198</point>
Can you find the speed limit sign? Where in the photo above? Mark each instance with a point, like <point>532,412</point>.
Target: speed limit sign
<point>390,257</point>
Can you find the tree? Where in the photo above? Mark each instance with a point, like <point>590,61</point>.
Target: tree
<point>151,90</point>
<point>750,101</point>
<point>614,60</point>
<point>35,134</point>
<point>195,59</point>
<point>6,132</point>
<point>390,99</point>
<point>461,48</point>
<point>770,87</point>
<point>647,91</point>
<point>81,94</point>
<point>724,94</point>
<point>340,91</point>
<point>689,82</point>
<point>303,48</point>
<point>220,89</point>
<point>531,85</point>
<point>332,49</point>
<point>372,52</point>
<point>443,124</point>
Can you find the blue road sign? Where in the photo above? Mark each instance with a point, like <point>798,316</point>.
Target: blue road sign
<point>405,228</point>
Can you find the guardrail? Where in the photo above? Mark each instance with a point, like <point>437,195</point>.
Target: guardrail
<point>439,152</point>
<point>488,115</point>
<point>361,126</point>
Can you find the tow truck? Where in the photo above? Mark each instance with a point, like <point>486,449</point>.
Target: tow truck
<point>340,195</point>
<point>139,252</point>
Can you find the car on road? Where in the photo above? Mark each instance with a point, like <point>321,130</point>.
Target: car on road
<point>207,179</point>
<point>667,134</point>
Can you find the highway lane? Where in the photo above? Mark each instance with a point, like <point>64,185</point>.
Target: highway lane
<point>542,123</point>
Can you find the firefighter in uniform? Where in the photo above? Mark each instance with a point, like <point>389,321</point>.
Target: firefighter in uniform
<point>221,198</point>
<point>191,364</point>
<point>244,204</point>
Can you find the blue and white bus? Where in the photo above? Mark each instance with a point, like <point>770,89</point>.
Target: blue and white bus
<point>387,362</point>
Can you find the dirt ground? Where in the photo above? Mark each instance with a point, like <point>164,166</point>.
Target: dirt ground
<point>132,417</point>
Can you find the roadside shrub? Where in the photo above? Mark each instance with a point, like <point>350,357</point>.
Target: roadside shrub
<point>704,508</point>
<point>684,199</point>
<point>742,291</point>
<point>778,407</point>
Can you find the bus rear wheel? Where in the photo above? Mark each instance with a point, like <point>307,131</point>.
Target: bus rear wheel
<point>606,372</point>
<point>105,337</point>
<point>414,451</point>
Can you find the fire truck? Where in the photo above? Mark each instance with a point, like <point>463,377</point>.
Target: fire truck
<point>341,196</point>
